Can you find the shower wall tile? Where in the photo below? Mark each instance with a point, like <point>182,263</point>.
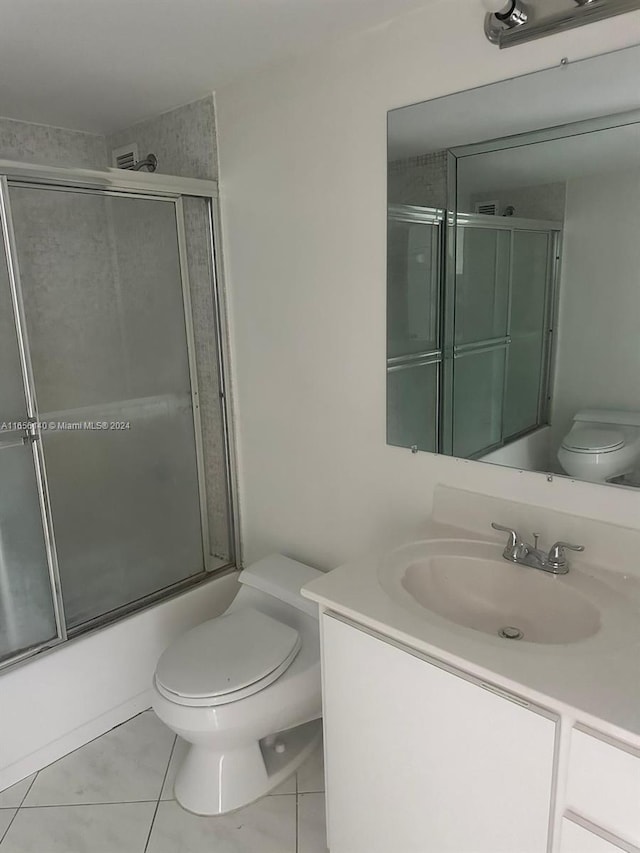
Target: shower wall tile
<point>419,180</point>
<point>545,201</point>
<point>51,146</point>
<point>183,140</point>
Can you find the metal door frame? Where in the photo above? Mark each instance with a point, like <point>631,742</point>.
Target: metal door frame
<point>120,183</point>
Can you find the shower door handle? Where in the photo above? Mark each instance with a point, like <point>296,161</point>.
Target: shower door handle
<point>16,436</point>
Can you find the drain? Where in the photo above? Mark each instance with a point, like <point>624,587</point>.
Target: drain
<point>510,633</point>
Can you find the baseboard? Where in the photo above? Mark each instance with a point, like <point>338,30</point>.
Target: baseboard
<point>73,740</point>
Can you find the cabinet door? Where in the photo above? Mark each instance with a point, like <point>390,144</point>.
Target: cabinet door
<point>422,760</point>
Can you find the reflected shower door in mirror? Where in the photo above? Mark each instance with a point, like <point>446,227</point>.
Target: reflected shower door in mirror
<point>513,273</point>
<point>414,352</point>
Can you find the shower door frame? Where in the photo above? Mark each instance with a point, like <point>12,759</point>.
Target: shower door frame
<point>171,189</point>
<point>513,224</point>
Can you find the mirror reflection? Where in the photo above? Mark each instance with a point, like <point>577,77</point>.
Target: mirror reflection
<point>513,294</point>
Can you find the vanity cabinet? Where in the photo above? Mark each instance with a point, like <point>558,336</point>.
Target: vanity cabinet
<point>603,785</point>
<point>420,757</point>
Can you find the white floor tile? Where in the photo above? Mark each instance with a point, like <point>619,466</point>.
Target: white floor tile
<point>312,837</point>
<point>126,764</point>
<point>287,787</point>
<point>177,757</point>
<point>114,828</point>
<point>268,826</point>
<point>6,815</point>
<point>311,774</point>
<point>14,795</point>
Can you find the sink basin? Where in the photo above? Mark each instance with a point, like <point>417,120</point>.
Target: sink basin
<point>469,583</point>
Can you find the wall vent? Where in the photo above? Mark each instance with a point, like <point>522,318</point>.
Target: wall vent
<point>125,157</point>
<point>488,208</point>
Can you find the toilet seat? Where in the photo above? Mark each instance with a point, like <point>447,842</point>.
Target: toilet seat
<point>589,439</point>
<point>226,659</point>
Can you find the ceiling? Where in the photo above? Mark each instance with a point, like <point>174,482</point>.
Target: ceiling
<point>592,87</point>
<point>558,160</point>
<point>100,65</point>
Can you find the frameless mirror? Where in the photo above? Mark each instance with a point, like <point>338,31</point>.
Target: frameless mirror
<point>513,272</point>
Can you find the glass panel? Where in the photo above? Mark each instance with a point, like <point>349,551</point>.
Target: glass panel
<point>478,384</point>
<point>412,406</point>
<point>201,274</point>
<point>412,288</point>
<point>26,601</point>
<point>12,400</point>
<point>103,300</point>
<point>482,284</point>
<point>27,616</point>
<point>528,304</point>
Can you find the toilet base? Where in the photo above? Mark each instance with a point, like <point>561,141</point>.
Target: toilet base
<point>211,782</point>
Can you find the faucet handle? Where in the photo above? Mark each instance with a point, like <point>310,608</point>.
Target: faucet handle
<point>557,559</point>
<point>514,537</point>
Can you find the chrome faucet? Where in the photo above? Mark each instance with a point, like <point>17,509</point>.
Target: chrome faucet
<point>518,551</point>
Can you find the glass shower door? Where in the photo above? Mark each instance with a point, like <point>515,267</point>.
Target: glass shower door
<point>414,354</point>
<point>27,601</point>
<point>530,285</point>
<point>481,337</point>
<point>102,282</point>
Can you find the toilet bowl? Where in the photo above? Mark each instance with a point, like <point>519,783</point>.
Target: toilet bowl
<point>601,444</point>
<point>243,690</point>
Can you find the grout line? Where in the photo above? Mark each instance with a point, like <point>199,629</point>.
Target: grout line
<point>28,789</point>
<point>164,779</point>
<point>82,746</point>
<point>4,834</point>
<point>79,805</point>
<point>297,815</point>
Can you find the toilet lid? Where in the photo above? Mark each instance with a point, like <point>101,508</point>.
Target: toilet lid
<point>237,653</point>
<point>587,439</point>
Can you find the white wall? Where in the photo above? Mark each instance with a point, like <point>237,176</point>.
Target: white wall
<point>302,151</point>
<point>59,701</point>
<point>598,360</point>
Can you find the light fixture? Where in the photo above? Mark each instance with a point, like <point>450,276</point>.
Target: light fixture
<point>503,15</point>
<point>511,22</point>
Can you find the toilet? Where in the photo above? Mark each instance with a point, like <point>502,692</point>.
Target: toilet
<point>243,690</point>
<point>601,444</point>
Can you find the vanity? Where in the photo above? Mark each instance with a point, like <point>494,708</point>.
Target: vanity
<point>447,732</point>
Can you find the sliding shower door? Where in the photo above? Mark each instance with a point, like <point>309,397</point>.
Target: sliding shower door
<point>27,598</point>
<point>414,353</point>
<point>103,285</point>
<point>503,304</point>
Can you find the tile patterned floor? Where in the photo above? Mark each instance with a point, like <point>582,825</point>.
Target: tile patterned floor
<point>115,795</point>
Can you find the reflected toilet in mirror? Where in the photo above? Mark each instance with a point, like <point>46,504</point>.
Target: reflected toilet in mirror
<point>602,446</point>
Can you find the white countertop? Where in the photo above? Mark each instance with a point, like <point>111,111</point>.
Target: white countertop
<point>595,681</point>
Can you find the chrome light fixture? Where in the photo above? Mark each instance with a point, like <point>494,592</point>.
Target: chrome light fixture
<point>511,22</point>
<point>503,15</point>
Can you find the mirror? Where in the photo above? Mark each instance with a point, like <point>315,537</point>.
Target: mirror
<point>513,272</point>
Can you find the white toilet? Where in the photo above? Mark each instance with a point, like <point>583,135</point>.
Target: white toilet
<point>244,690</point>
<point>601,444</point>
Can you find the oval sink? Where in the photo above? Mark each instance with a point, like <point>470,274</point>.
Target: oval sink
<point>471,584</point>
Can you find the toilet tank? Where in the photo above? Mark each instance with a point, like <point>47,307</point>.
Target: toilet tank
<point>282,578</point>
<point>608,416</point>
